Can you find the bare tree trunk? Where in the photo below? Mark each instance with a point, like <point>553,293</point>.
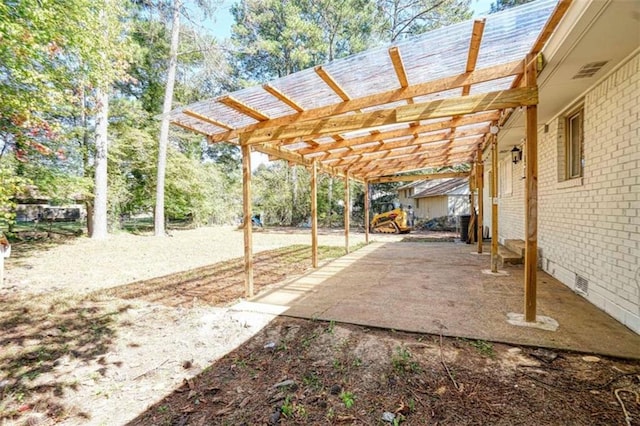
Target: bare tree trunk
<point>330,200</point>
<point>100,190</point>
<point>85,157</point>
<point>164,128</point>
<point>89,206</point>
<point>294,194</point>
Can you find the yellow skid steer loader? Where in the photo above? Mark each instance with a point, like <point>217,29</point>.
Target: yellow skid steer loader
<point>391,222</point>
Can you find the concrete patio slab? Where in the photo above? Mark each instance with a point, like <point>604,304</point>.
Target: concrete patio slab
<point>440,288</point>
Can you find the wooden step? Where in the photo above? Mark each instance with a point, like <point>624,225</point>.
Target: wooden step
<point>516,246</point>
<point>507,256</point>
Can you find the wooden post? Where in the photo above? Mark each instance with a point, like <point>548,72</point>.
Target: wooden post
<point>472,210</point>
<point>246,206</point>
<point>531,198</point>
<point>314,214</point>
<point>480,187</point>
<point>347,211</point>
<point>1,265</point>
<point>366,212</point>
<point>494,203</point>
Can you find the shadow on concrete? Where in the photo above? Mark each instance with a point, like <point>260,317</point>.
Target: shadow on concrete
<point>440,288</point>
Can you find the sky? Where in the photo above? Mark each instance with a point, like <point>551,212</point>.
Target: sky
<point>220,24</point>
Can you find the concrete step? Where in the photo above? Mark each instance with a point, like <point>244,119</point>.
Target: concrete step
<point>507,256</point>
<point>516,246</point>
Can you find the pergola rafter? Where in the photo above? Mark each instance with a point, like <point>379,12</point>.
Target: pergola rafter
<point>332,83</point>
<point>281,96</point>
<point>243,108</point>
<point>496,72</point>
<point>208,120</point>
<point>398,66</point>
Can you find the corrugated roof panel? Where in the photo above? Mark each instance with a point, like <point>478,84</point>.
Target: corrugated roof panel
<point>258,98</point>
<point>439,53</point>
<point>307,89</point>
<point>453,93</point>
<point>491,86</point>
<point>510,34</point>
<point>365,74</point>
<point>436,54</point>
<point>442,187</point>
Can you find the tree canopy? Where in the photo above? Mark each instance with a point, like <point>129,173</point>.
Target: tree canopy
<point>274,38</point>
<point>62,61</point>
<point>506,4</point>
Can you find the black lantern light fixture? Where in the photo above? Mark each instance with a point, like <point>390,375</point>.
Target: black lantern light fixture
<point>516,155</point>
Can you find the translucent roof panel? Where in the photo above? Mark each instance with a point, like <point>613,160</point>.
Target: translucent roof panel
<point>508,36</point>
<point>258,98</point>
<point>438,53</point>
<point>491,86</point>
<point>333,114</point>
<point>307,89</point>
<point>365,74</point>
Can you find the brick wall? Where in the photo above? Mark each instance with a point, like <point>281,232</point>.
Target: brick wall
<point>590,227</point>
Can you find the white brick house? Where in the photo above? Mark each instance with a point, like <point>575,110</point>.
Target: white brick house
<point>589,158</point>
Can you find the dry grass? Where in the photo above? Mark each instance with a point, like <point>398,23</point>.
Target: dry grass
<point>92,352</point>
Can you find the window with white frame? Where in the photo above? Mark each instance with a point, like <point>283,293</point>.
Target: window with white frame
<point>574,136</point>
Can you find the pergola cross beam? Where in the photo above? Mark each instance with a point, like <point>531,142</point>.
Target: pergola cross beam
<point>421,176</point>
<point>403,114</point>
<point>441,137</point>
<point>417,131</point>
<point>400,167</point>
<point>410,162</point>
<point>292,157</point>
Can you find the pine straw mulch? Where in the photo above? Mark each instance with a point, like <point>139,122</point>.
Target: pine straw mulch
<point>223,282</point>
<point>303,372</point>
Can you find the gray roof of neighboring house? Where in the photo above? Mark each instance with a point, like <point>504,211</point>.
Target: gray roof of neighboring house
<point>413,184</point>
<point>456,186</point>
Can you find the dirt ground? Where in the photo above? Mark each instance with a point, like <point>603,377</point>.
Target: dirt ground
<point>93,332</point>
<point>138,330</point>
<point>301,372</point>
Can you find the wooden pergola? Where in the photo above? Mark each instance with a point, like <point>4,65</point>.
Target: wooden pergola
<point>431,101</point>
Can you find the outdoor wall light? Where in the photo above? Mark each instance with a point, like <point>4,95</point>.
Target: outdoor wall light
<point>516,155</point>
<point>494,130</point>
